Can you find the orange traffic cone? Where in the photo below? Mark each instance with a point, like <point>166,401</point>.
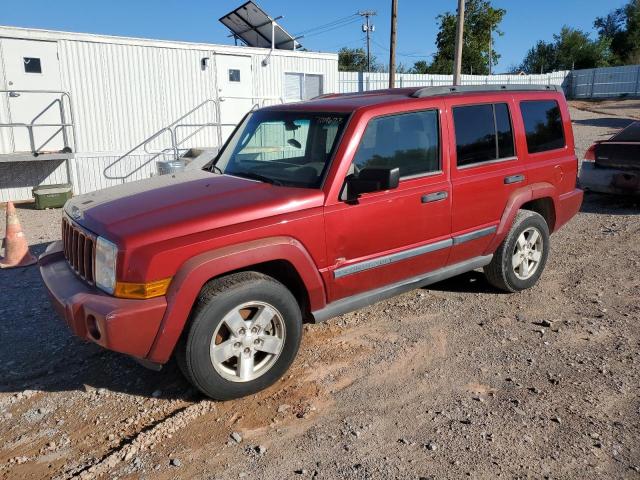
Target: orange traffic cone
<point>16,250</point>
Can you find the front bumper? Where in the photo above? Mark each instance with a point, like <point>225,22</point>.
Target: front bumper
<point>122,325</point>
<point>609,180</point>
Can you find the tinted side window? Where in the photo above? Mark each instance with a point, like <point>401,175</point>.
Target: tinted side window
<point>543,125</point>
<point>409,141</point>
<point>503,130</point>
<point>475,134</point>
<point>483,133</point>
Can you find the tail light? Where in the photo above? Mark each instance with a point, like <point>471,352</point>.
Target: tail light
<point>590,154</point>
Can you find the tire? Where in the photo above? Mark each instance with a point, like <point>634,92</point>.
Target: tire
<point>502,272</point>
<point>223,323</point>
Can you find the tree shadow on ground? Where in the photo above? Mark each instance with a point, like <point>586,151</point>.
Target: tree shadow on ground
<point>606,122</point>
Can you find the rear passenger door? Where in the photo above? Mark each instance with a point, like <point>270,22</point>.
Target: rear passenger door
<point>550,154</point>
<point>392,235</point>
<point>485,170</point>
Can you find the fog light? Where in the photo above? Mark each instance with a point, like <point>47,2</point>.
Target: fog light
<point>92,327</point>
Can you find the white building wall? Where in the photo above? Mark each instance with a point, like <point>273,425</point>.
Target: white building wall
<point>269,80</point>
<point>124,90</point>
<point>124,93</point>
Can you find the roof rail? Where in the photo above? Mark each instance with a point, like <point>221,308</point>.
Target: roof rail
<point>434,91</point>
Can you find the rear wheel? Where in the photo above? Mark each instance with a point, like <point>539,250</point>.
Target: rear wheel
<point>243,335</point>
<point>520,259</point>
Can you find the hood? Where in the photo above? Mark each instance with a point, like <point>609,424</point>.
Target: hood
<point>167,206</point>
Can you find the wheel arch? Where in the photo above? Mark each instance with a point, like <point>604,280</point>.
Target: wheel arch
<point>543,206</point>
<point>283,258</point>
<point>539,197</point>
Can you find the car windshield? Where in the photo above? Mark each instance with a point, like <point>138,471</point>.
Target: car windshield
<point>283,148</point>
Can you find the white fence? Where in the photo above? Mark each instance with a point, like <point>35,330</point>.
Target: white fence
<point>589,83</point>
<point>363,82</point>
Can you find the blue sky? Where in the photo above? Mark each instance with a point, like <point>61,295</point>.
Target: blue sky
<point>526,21</point>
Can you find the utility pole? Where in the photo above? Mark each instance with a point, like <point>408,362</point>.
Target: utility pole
<point>368,28</point>
<point>392,44</point>
<point>457,63</point>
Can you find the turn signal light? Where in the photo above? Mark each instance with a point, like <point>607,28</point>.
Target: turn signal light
<point>142,290</point>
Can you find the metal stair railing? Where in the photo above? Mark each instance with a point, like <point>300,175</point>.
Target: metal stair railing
<point>174,151</point>
<point>173,146</point>
<point>62,126</point>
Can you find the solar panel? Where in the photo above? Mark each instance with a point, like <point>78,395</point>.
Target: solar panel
<point>253,26</point>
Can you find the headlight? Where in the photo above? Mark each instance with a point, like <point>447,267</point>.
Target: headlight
<point>105,275</point>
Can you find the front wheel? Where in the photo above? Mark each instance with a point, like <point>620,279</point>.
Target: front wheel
<point>243,335</point>
<point>520,259</point>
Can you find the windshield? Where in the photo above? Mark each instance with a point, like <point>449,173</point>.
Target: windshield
<point>283,148</point>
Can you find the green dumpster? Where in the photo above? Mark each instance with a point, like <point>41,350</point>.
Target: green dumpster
<point>52,196</point>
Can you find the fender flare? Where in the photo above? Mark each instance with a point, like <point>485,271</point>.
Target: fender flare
<point>516,200</point>
<point>198,270</point>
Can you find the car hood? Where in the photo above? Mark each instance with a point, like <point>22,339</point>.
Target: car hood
<point>183,203</point>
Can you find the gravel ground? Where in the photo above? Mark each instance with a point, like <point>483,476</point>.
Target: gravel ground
<point>451,381</point>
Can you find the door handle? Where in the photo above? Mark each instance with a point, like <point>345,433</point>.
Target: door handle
<point>14,94</point>
<point>434,197</point>
<point>514,179</point>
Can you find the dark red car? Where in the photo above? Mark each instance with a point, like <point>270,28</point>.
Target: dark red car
<point>613,166</point>
<point>312,210</point>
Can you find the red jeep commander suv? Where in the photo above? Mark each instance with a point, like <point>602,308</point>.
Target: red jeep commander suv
<point>309,211</point>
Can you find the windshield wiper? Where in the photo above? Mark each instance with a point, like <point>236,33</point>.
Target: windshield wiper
<point>256,176</point>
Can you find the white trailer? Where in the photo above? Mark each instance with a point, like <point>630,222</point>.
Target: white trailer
<point>99,110</point>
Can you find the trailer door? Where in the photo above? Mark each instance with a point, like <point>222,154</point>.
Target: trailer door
<point>33,65</point>
<point>235,89</point>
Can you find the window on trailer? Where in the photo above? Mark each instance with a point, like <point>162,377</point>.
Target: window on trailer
<point>302,86</point>
<point>32,65</point>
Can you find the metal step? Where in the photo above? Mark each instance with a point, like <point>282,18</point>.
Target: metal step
<point>196,158</point>
<point>30,157</point>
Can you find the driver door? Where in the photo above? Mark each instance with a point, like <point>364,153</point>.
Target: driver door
<point>388,236</point>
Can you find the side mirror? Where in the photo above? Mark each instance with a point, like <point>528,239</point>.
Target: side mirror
<point>373,180</point>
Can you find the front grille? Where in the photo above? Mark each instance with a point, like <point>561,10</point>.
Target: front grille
<point>79,248</point>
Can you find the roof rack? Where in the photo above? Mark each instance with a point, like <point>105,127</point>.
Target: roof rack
<point>434,91</point>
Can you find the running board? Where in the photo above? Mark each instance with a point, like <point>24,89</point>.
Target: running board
<point>355,302</point>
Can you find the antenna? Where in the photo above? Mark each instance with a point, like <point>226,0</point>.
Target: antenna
<point>368,28</point>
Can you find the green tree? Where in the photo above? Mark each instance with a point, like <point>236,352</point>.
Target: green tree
<point>540,58</point>
<point>621,27</point>
<point>571,48</point>
<point>481,20</point>
<point>355,60</point>
<point>575,50</point>
<point>421,66</point>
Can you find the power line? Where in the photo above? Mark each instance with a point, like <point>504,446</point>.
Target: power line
<point>338,22</point>
<point>335,27</point>
<point>400,54</point>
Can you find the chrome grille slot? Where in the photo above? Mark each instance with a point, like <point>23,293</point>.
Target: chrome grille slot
<point>79,248</point>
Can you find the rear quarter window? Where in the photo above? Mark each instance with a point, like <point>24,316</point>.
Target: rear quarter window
<point>542,125</point>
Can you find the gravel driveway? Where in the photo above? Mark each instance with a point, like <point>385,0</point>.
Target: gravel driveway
<point>450,381</point>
